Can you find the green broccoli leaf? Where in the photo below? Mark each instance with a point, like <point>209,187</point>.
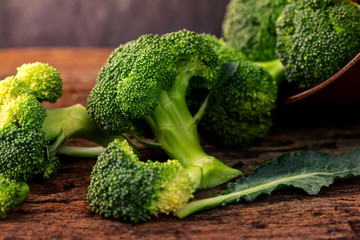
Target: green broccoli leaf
<point>309,171</point>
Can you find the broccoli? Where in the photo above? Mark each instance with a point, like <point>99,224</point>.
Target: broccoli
<point>238,111</point>
<point>11,194</point>
<point>30,134</point>
<point>316,39</point>
<point>123,187</point>
<point>250,26</point>
<point>146,80</point>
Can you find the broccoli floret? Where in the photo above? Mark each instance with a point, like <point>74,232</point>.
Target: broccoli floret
<point>30,134</point>
<point>11,194</point>
<point>43,81</point>
<point>316,39</point>
<point>250,26</point>
<point>239,111</point>
<point>123,187</point>
<point>146,79</point>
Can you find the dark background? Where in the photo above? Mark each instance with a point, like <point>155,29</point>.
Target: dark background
<point>102,22</point>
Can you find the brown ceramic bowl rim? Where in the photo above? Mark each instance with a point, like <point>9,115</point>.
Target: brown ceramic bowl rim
<point>306,93</point>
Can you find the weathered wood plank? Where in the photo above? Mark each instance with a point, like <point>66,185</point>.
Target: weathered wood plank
<point>57,209</point>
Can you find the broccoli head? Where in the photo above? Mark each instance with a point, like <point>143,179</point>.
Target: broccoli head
<point>316,39</point>
<point>239,110</point>
<point>30,134</point>
<point>250,26</point>
<point>43,81</point>
<point>146,80</point>
<point>23,151</point>
<point>11,194</point>
<point>123,187</point>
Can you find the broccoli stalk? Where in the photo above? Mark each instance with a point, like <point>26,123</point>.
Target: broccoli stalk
<point>274,67</point>
<point>73,122</point>
<point>81,152</point>
<point>175,130</point>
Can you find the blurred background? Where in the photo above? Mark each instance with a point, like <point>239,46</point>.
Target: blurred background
<point>102,23</point>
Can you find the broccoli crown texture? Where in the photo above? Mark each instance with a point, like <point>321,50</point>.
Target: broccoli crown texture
<point>123,187</point>
<point>43,81</point>
<point>239,110</point>
<point>136,73</point>
<point>250,26</point>
<point>316,39</point>
<point>11,194</point>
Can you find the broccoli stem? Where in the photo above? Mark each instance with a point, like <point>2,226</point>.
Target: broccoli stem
<point>275,68</point>
<point>73,122</point>
<point>221,200</point>
<point>174,128</point>
<point>81,152</point>
<point>208,203</point>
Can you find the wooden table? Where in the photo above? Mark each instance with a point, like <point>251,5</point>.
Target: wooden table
<point>57,209</point>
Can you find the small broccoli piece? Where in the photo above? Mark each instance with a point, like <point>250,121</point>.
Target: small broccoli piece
<point>30,134</point>
<point>123,187</point>
<point>238,111</point>
<point>147,79</point>
<point>43,81</point>
<point>250,26</point>
<point>316,39</point>
<point>11,194</point>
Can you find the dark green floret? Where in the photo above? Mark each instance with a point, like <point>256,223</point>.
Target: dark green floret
<point>239,111</point>
<point>146,80</point>
<point>316,39</point>
<point>250,26</point>
<point>11,194</point>
<point>30,134</point>
<point>123,187</point>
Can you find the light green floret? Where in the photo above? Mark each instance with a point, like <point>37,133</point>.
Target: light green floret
<point>25,110</point>
<point>43,80</point>
<point>30,134</point>
<point>316,39</point>
<point>146,81</point>
<point>123,187</point>
<point>22,143</point>
<point>11,194</point>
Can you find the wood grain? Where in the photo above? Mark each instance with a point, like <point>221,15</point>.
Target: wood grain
<point>57,209</point>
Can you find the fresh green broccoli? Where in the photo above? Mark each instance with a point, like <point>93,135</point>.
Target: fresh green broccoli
<point>30,134</point>
<point>11,194</point>
<point>147,79</point>
<point>42,81</point>
<point>123,187</point>
<point>238,111</point>
<point>250,26</point>
<point>316,39</point>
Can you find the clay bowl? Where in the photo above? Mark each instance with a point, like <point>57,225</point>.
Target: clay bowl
<point>336,97</point>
